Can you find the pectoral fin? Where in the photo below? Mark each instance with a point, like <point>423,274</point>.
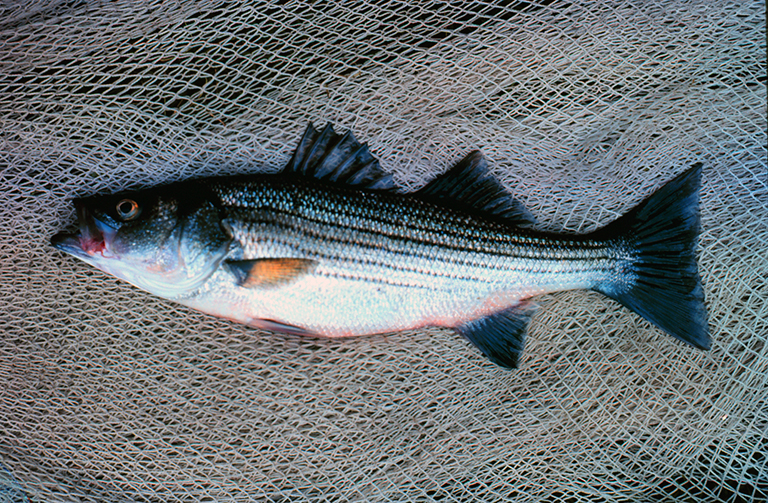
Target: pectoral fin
<point>500,336</point>
<point>269,272</point>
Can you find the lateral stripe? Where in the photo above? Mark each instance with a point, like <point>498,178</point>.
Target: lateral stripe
<point>310,243</point>
<point>542,249</point>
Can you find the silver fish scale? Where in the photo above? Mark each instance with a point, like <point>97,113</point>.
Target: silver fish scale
<point>383,261</point>
<point>377,232</point>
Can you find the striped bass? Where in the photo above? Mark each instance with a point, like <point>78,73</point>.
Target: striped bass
<point>328,248</point>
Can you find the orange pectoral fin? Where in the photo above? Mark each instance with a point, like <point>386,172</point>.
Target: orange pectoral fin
<point>269,272</point>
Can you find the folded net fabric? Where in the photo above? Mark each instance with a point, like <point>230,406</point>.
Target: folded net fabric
<point>582,108</point>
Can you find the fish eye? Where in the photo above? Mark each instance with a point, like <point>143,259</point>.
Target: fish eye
<point>127,209</point>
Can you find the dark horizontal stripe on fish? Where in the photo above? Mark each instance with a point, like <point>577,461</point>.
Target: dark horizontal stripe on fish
<point>382,281</point>
<point>508,245</point>
<point>398,210</point>
<point>314,252</point>
<point>473,231</point>
<point>590,265</point>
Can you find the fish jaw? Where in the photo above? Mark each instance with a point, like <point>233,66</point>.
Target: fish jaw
<point>92,246</point>
<point>92,239</point>
<point>92,243</point>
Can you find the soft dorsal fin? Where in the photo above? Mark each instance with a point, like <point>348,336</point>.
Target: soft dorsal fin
<point>470,184</point>
<point>328,156</point>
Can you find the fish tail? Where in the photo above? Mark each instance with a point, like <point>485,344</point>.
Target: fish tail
<point>659,235</point>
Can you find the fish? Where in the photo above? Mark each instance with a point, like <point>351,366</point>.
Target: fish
<point>329,247</point>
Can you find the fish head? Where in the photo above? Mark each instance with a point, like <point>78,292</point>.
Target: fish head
<point>165,241</point>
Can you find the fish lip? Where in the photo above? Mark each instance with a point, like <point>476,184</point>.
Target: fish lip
<point>88,241</point>
<point>68,243</point>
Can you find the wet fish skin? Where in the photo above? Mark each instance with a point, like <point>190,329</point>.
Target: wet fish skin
<point>327,248</point>
<point>408,263</point>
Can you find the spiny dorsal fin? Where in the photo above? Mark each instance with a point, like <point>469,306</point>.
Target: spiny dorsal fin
<point>470,184</point>
<point>337,158</point>
<point>268,272</point>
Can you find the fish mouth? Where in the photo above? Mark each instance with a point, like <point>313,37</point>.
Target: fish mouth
<point>90,239</point>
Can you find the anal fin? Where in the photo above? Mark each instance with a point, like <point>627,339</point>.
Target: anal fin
<point>269,272</point>
<point>501,336</point>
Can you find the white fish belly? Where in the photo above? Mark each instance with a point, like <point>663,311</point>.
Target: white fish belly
<point>381,267</point>
<point>346,304</point>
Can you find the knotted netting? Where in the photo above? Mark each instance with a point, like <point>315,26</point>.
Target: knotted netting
<point>582,108</point>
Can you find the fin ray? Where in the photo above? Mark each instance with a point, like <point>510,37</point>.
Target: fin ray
<point>331,157</point>
<point>269,272</point>
<point>470,184</point>
<point>278,326</point>
<point>661,233</point>
<point>501,336</point>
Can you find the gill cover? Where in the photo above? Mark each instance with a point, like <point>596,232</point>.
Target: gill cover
<point>166,241</point>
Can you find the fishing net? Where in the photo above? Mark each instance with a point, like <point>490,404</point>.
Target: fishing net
<point>582,108</point>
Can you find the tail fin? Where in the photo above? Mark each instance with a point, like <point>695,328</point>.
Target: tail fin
<point>660,234</point>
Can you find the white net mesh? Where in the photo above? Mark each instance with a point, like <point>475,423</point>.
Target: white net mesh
<point>583,108</point>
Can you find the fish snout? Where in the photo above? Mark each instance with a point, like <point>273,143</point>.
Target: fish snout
<point>88,239</point>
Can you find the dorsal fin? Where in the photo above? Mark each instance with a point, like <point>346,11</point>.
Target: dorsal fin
<point>471,185</point>
<point>337,158</point>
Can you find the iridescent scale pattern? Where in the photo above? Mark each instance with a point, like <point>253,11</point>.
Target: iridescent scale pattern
<point>388,262</point>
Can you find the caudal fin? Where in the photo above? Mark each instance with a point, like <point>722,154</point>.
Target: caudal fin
<point>660,235</point>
